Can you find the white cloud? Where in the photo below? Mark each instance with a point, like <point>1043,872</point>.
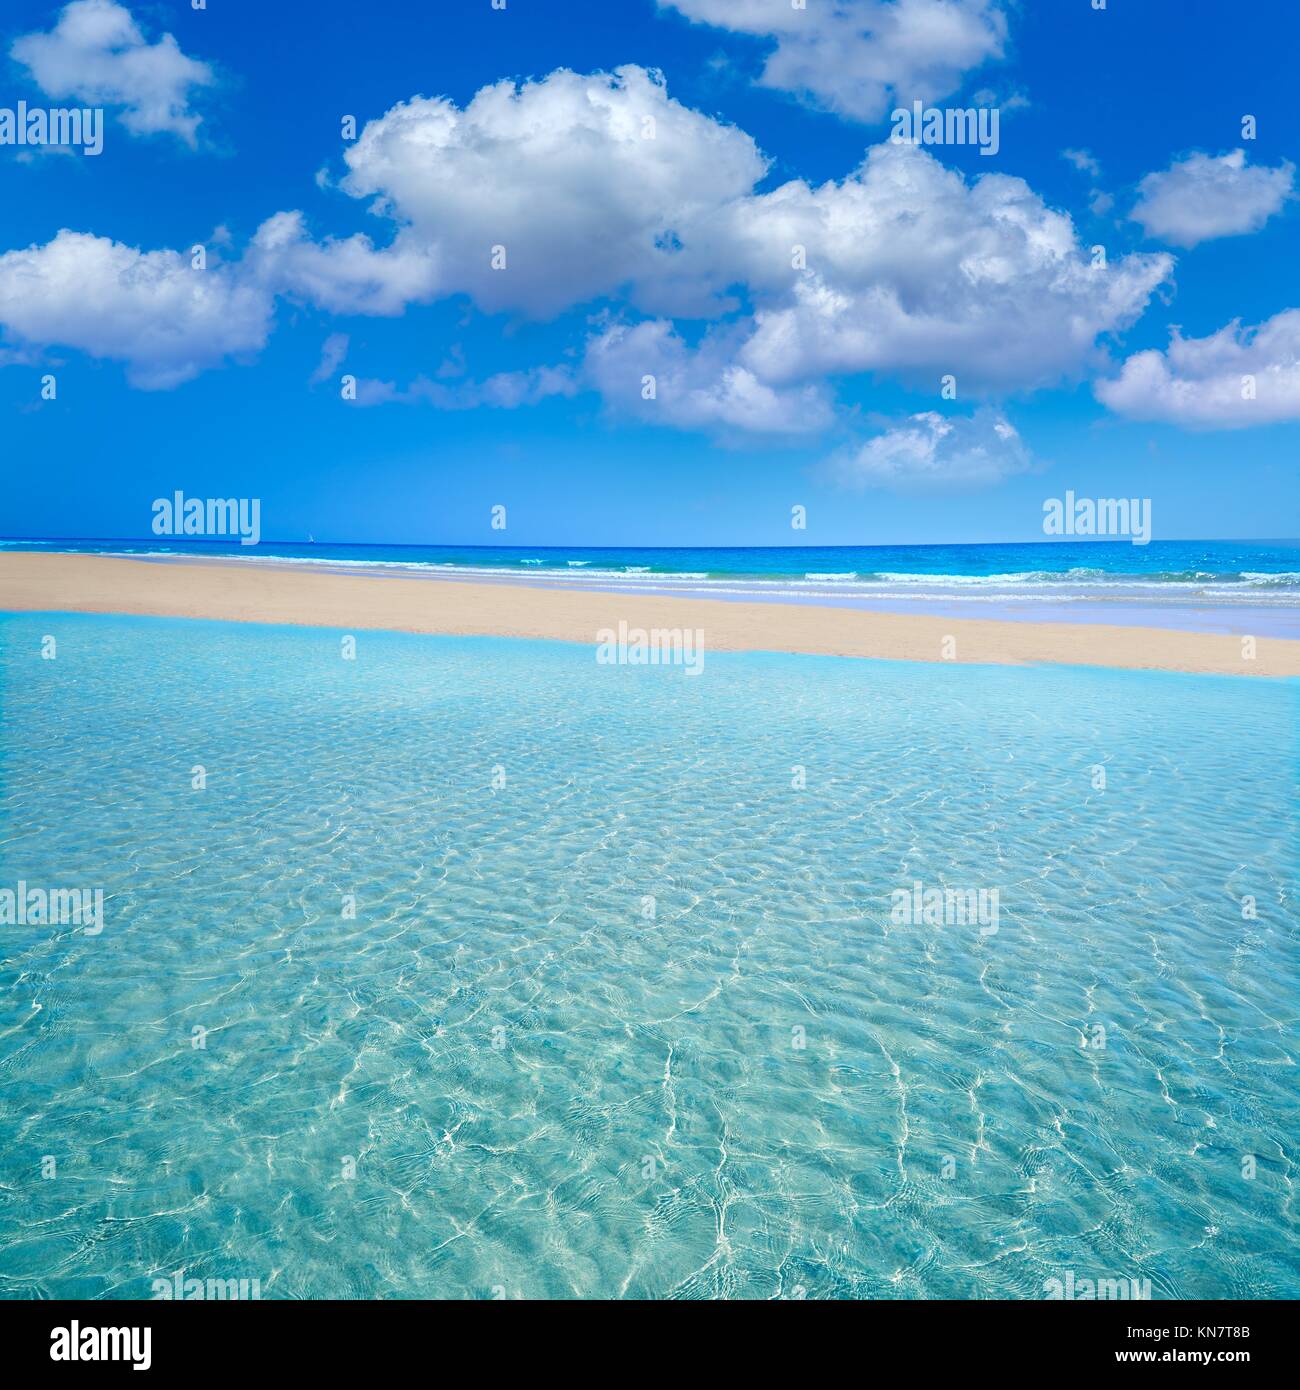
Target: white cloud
<point>914,272</point>
<point>332,352</point>
<point>603,187</point>
<point>345,275</point>
<point>703,388</point>
<point>930,451</point>
<point>1202,382</point>
<point>699,388</point>
<point>910,269</point>
<point>590,183</point>
<point>1008,102</point>
<point>167,321</point>
<point>503,390</point>
<point>149,309</point>
<point>97,55</point>
<point>1203,197</point>
<point>1083,162</point>
<point>860,57</point>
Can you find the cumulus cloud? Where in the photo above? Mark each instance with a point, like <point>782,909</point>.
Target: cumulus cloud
<point>1234,378</point>
<point>346,275</point>
<point>930,451</point>
<point>858,58</point>
<point>167,321</point>
<point>149,309</point>
<point>909,268</point>
<point>1204,196</point>
<point>695,388</point>
<point>96,54</point>
<point>602,187</point>
<point>912,271</point>
<point>588,184</point>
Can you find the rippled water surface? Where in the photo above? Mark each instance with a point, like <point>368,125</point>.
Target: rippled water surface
<point>556,1050</point>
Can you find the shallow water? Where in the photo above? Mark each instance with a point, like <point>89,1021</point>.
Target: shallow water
<point>545,1091</point>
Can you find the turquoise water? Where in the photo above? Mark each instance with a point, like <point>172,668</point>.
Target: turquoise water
<point>545,1092</point>
<point>1270,567</point>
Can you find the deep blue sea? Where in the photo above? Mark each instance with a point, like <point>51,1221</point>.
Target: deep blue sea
<point>471,968</point>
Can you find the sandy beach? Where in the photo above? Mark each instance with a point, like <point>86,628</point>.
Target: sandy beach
<point>52,582</point>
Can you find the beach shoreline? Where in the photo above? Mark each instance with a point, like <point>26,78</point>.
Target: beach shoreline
<point>51,581</point>
<point>1234,618</point>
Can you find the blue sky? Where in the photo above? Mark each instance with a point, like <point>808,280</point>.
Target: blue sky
<point>666,254</point>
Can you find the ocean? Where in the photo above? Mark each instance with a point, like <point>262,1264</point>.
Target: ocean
<point>471,968</point>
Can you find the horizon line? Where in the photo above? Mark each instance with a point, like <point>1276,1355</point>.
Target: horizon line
<point>528,545</point>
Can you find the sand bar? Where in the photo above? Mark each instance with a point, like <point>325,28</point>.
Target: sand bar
<point>51,582</point>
